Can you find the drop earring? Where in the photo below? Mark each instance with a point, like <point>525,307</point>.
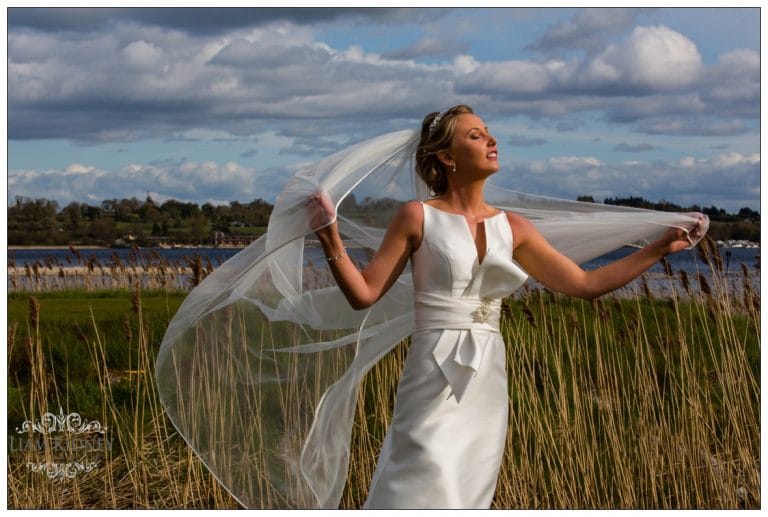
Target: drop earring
<point>454,167</point>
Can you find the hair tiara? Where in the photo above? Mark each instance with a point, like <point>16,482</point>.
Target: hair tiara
<point>435,122</point>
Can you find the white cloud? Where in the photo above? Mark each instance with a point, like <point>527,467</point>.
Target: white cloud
<point>508,78</point>
<point>729,160</point>
<point>568,163</point>
<point>76,168</point>
<point>742,62</point>
<point>734,82</point>
<point>188,181</point>
<point>725,180</point>
<point>653,58</point>
<point>169,81</point>
<point>142,55</point>
<point>685,181</point>
<point>464,64</point>
<point>203,133</point>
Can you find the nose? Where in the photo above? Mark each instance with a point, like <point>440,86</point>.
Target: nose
<point>491,140</point>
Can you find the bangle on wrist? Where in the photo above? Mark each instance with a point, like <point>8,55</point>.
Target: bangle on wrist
<point>337,257</point>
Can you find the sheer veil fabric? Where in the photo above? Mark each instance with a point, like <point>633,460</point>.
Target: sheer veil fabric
<point>259,369</point>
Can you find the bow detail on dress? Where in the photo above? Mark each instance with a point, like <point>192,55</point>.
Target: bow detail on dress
<point>470,322</point>
<point>459,354</point>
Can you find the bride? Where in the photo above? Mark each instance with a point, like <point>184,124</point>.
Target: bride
<point>260,367</point>
<point>444,446</point>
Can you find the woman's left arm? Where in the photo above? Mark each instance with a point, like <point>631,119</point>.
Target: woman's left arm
<point>560,273</point>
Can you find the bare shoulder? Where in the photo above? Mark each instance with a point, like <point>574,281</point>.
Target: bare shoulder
<point>409,219</point>
<point>522,228</point>
<point>518,222</point>
<point>411,210</point>
<point>410,213</point>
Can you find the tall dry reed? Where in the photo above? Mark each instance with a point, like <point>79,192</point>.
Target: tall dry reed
<point>82,271</point>
<point>134,458</point>
<point>639,403</point>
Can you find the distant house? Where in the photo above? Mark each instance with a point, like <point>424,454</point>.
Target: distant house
<point>226,240</point>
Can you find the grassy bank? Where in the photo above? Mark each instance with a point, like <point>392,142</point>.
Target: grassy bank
<point>638,403</point>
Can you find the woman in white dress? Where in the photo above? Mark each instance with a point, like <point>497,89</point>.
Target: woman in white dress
<point>444,446</point>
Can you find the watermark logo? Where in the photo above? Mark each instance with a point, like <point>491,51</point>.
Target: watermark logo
<point>68,445</point>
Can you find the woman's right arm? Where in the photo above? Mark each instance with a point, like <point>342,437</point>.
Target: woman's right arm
<point>364,288</point>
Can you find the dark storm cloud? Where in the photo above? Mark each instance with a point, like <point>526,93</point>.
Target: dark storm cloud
<point>587,29</point>
<point>633,147</point>
<point>200,20</point>
<point>429,47</point>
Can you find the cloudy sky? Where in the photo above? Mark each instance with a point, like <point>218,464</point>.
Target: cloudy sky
<point>217,105</point>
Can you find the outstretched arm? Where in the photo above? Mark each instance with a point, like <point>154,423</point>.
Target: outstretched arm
<point>559,273</point>
<point>364,288</point>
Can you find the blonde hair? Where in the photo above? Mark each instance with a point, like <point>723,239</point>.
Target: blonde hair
<point>436,136</point>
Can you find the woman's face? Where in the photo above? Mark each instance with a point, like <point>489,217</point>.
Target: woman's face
<point>473,148</point>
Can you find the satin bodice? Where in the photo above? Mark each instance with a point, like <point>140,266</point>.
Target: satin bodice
<point>449,278</point>
<point>459,296</point>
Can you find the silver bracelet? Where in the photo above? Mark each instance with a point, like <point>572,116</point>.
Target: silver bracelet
<point>337,257</point>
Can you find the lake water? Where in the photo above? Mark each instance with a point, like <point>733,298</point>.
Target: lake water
<point>54,259</point>
<point>686,260</point>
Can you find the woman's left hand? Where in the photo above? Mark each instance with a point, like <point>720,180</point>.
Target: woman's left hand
<point>678,239</point>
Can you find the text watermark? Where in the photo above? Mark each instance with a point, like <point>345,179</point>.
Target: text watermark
<point>66,445</point>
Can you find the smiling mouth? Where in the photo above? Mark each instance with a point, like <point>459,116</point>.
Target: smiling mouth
<point>492,155</point>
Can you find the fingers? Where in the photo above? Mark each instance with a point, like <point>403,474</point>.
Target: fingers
<point>694,235</point>
<point>321,210</point>
<point>701,225</point>
<point>699,229</point>
<point>313,199</point>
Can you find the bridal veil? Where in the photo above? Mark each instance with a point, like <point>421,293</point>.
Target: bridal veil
<point>259,369</point>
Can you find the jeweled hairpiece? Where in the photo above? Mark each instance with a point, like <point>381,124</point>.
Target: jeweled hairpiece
<point>435,122</point>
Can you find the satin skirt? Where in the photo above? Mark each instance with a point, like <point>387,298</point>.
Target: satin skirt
<point>440,451</point>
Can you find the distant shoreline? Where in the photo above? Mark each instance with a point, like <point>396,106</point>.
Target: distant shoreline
<point>720,244</point>
<point>95,247</point>
<point>33,247</point>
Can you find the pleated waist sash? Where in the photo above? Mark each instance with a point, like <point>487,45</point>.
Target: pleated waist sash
<point>468,326</point>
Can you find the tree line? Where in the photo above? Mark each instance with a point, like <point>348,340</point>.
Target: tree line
<point>41,222</point>
<point>129,221</point>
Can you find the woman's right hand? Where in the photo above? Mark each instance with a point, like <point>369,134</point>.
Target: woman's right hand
<point>321,213</point>
<point>364,288</point>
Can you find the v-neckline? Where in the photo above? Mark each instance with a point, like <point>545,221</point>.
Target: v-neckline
<point>468,229</point>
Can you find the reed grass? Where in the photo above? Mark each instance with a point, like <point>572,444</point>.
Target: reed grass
<point>79,270</point>
<point>641,402</point>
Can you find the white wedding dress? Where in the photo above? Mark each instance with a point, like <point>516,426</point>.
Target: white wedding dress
<point>444,446</point>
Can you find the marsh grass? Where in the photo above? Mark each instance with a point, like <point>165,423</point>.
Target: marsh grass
<point>94,356</point>
<point>80,270</point>
<point>633,403</point>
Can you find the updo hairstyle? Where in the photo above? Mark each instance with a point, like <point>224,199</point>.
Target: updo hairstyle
<point>428,166</point>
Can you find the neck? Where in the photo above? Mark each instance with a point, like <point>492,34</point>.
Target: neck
<point>466,198</point>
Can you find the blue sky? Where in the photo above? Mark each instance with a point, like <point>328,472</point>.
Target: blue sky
<point>218,105</point>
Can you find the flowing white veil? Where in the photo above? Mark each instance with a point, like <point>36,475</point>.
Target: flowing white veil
<point>259,369</point>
